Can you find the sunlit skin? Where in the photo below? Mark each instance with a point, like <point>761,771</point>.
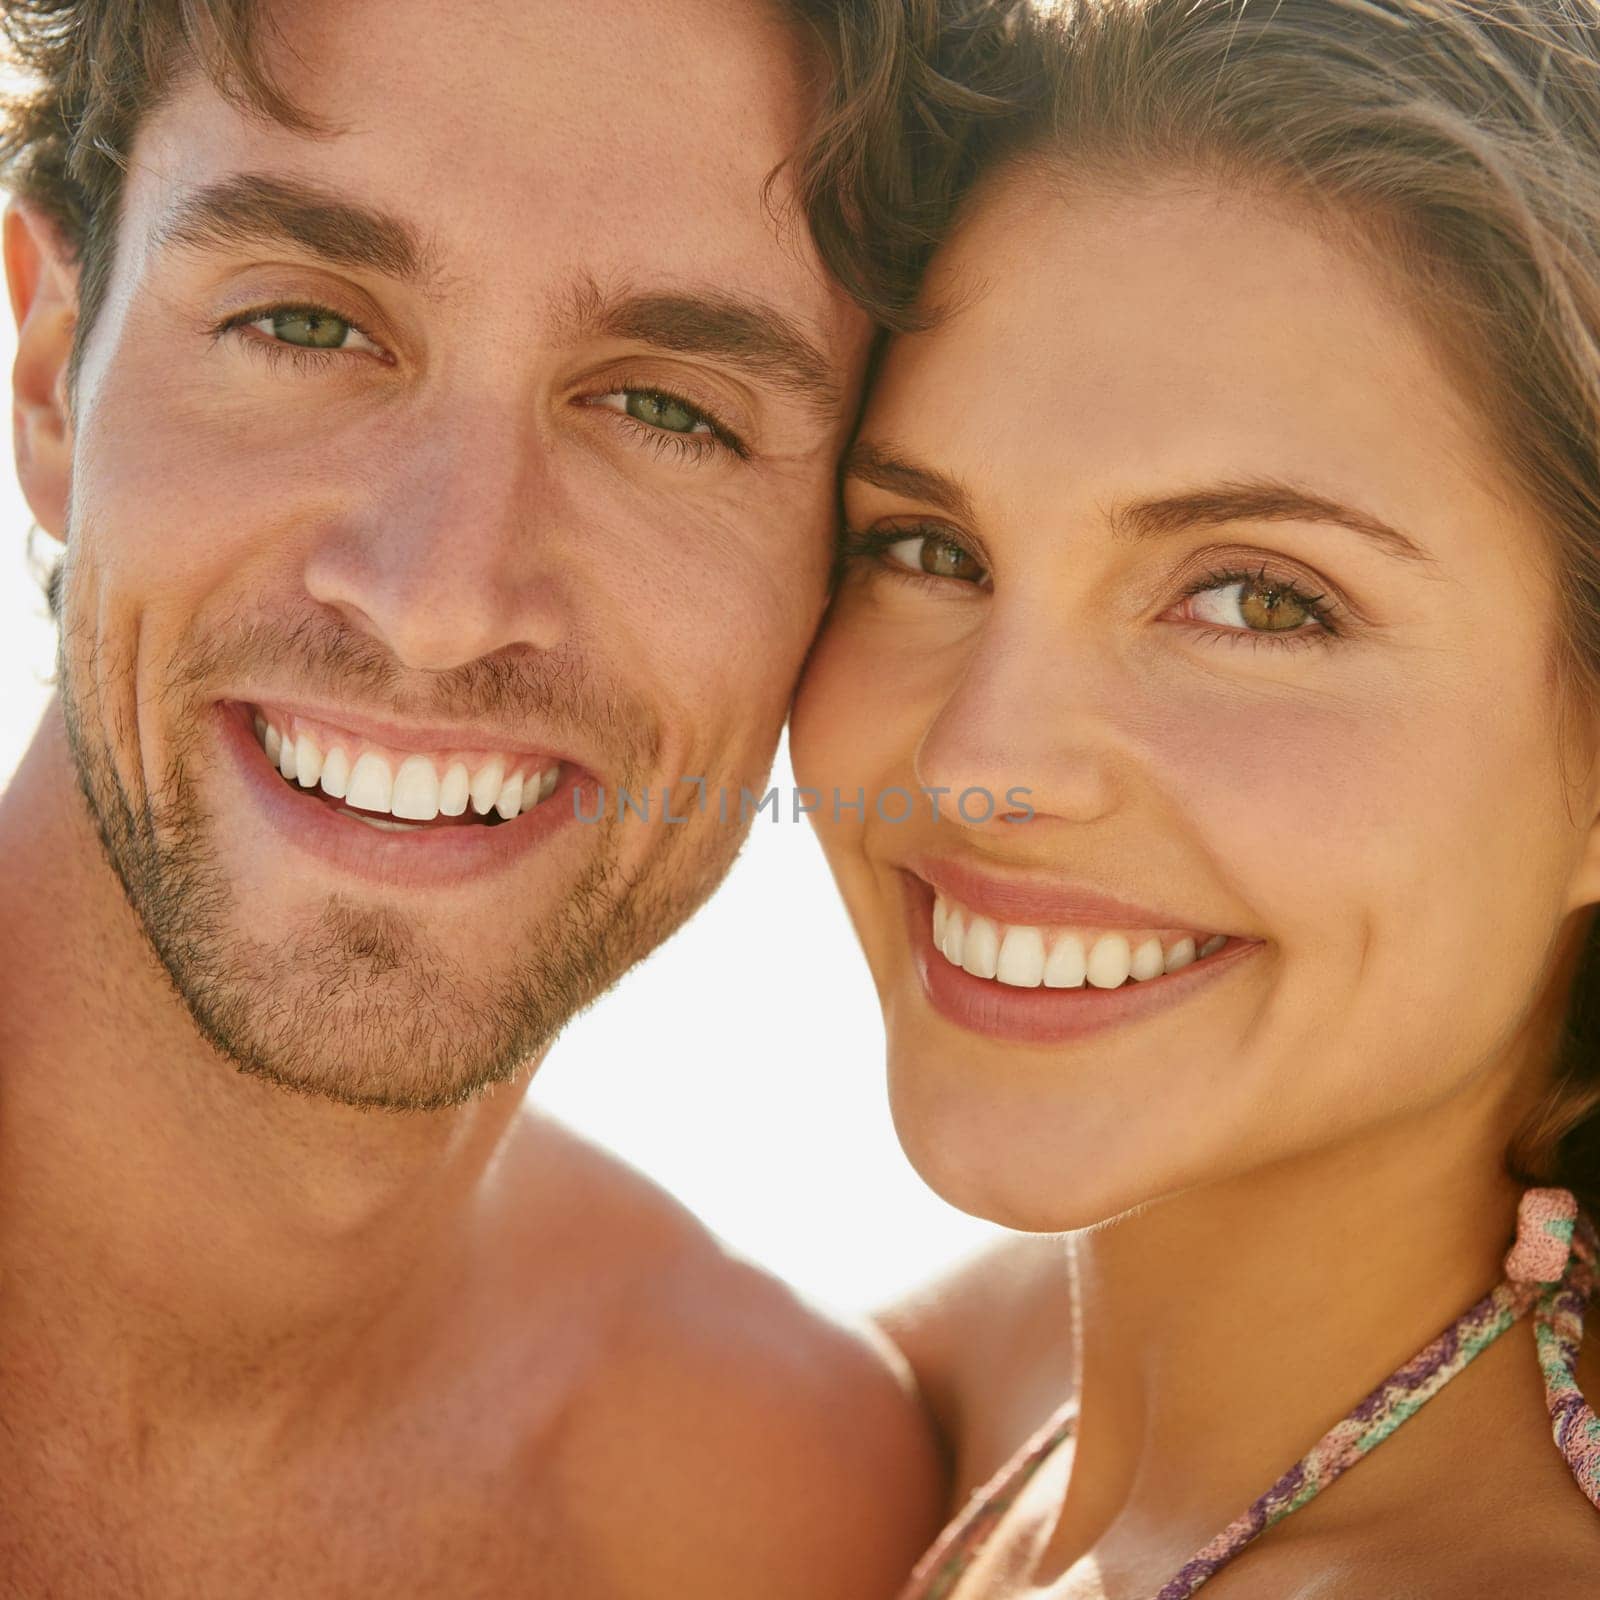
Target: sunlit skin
<point>273,1342</point>
<point>1300,1166</point>
<point>443,483</point>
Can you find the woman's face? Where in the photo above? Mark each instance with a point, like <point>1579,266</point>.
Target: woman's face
<point>1177,530</point>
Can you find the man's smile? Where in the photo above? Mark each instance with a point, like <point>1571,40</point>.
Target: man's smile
<point>398,818</point>
<point>418,787</point>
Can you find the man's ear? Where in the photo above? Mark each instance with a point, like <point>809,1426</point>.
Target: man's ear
<point>43,281</point>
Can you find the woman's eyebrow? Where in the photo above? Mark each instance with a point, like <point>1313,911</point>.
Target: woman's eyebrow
<point>1212,505</point>
<point>886,468</point>
<point>1257,500</point>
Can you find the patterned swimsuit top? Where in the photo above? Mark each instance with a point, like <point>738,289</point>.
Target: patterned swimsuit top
<point>1549,1271</point>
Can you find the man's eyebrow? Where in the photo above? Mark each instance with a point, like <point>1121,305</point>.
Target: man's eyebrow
<point>250,208</point>
<point>742,332</point>
<point>885,468</point>
<point>256,208</point>
<point>1258,500</point>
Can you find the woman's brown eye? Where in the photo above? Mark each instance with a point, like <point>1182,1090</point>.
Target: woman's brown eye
<point>1262,606</point>
<point>940,558</point>
<point>1254,605</point>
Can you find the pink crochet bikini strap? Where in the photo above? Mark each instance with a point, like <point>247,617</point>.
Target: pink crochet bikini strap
<point>1550,1270</point>
<point>939,1571</point>
<point>1558,1333</point>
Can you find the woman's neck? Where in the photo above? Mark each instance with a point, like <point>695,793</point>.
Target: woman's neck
<point>1225,1330</point>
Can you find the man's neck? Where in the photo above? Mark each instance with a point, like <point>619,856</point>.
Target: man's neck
<point>188,1223</point>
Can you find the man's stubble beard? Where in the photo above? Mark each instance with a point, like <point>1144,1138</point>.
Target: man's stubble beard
<point>361,1007</point>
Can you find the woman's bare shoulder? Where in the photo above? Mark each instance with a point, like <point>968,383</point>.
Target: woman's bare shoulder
<point>991,1345</point>
<point>1560,1561</point>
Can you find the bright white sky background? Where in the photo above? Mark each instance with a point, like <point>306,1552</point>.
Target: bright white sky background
<point>741,1065</point>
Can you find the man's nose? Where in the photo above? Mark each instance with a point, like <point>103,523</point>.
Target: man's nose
<point>450,557</point>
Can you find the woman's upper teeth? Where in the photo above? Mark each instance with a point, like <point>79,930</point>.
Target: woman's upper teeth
<point>1061,958</point>
<point>408,785</point>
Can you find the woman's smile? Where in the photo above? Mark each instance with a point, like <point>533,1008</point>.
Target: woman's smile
<point>1048,985</point>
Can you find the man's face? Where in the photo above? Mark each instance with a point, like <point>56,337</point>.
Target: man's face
<point>530,463</point>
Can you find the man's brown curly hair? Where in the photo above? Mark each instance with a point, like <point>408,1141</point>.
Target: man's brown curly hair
<point>875,175</point>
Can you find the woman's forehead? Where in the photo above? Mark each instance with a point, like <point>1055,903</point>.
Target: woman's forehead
<point>1171,329</point>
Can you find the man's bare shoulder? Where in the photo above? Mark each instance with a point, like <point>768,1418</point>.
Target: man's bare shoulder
<point>991,1345</point>
<point>724,1436</point>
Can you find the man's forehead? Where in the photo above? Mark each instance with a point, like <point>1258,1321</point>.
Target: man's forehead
<point>699,51</point>
<point>529,136</point>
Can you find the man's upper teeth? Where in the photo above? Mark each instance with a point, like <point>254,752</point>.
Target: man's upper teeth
<point>1060,958</point>
<point>413,787</point>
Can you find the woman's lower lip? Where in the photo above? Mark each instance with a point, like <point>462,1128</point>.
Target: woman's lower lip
<point>1045,1016</point>
<point>421,857</point>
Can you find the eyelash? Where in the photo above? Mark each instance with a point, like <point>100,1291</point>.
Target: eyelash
<point>682,446</point>
<point>872,544</point>
<point>274,351</point>
<point>1318,607</point>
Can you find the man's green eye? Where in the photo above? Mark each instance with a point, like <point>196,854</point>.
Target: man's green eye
<point>314,330</point>
<point>662,411</point>
<point>304,328</point>
<point>669,426</point>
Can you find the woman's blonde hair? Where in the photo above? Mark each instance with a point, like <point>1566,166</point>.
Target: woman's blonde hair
<point>1461,138</point>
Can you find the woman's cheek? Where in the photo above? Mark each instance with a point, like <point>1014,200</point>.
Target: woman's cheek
<point>874,682</point>
<point>827,733</point>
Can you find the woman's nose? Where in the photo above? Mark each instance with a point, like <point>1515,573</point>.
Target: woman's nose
<point>1034,729</point>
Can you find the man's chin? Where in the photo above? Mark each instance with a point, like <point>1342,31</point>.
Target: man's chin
<point>411,1073</point>
<point>362,1003</point>
<point>359,1009</point>
<point>354,1004</point>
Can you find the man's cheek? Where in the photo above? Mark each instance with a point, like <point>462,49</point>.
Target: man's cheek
<point>166,537</point>
<point>733,611</point>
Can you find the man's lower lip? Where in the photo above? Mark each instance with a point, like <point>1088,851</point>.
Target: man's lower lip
<point>1045,1016</point>
<point>420,857</point>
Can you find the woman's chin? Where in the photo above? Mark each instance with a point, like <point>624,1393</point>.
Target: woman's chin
<point>1020,1170</point>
